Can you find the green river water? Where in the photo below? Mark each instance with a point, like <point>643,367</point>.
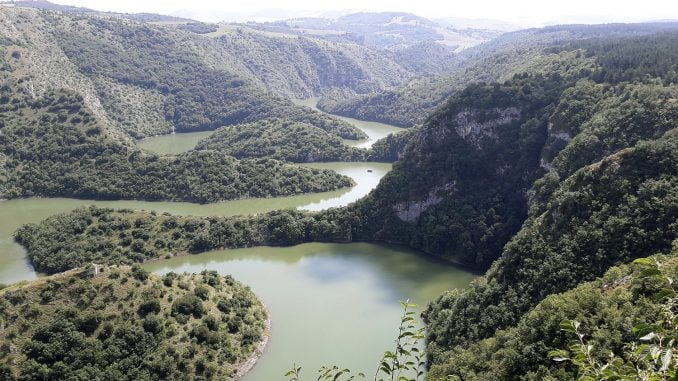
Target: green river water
<point>329,303</point>
<point>374,130</point>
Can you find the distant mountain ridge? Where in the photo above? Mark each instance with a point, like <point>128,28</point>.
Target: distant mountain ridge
<point>46,5</point>
<point>391,31</point>
<point>495,60</point>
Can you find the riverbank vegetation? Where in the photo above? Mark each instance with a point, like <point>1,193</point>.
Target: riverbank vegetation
<point>127,324</point>
<point>108,236</point>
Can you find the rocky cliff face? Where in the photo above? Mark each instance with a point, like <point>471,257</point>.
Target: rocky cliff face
<point>460,189</point>
<point>411,210</point>
<point>472,127</point>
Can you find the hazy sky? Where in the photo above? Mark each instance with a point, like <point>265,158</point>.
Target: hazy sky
<point>524,12</point>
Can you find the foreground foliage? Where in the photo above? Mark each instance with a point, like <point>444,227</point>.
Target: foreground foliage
<point>652,356</point>
<point>126,324</point>
<point>614,312</point>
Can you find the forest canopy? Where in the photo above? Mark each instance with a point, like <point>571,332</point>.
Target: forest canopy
<point>126,324</point>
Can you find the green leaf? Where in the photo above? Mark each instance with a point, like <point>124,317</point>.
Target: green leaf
<point>666,360</point>
<point>559,355</point>
<point>644,261</point>
<point>643,329</point>
<point>665,293</point>
<point>566,325</point>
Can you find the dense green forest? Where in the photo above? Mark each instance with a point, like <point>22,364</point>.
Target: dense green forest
<point>192,95</point>
<point>300,143</point>
<point>610,212</point>
<point>609,196</point>
<point>545,157</point>
<point>54,146</point>
<point>282,140</point>
<point>126,324</point>
<point>465,203</point>
<point>392,147</point>
<point>608,309</point>
<point>107,236</point>
<point>498,59</point>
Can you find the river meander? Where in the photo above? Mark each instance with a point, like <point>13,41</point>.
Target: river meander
<point>330,303</point>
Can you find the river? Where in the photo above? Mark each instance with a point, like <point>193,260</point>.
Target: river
<point>173,144</point>
<point>330,303</point>
<point>374,130</point>
<point>13,264</point>
<point>177,143</point>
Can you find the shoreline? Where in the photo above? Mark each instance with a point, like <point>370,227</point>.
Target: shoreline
<point>250,362</point>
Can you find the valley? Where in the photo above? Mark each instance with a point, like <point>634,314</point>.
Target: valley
<point>374,130</point>
<point>314,274</point>
<point>519,185</point>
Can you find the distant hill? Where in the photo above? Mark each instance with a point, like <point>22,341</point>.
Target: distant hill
<point>77,89</point>
<point>494,60</point>
<point>384,30</point>
<point>148,79</point>
<point>43,4</point>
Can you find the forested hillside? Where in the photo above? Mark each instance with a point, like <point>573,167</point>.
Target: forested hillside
<point>609,310</point>
<point>152,79</point>
<point>126,324</point>
<point>495,60</point>
<point>608,155</point>
<point>53,145</point>
<point>75,89</point>
<point>554,159</point>
<point>304,66</point>
<point>281,140</point>
<point>151,62</point>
